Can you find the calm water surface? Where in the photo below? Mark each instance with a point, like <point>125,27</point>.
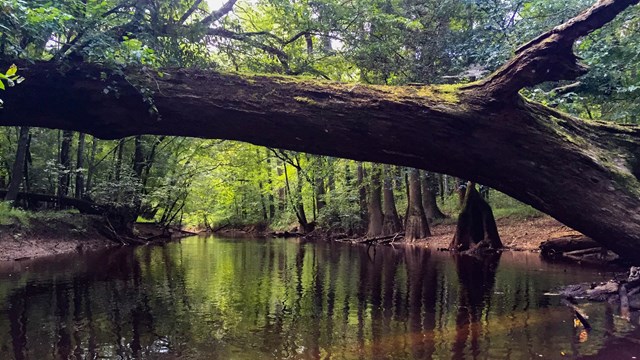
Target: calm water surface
<point>212,298</point>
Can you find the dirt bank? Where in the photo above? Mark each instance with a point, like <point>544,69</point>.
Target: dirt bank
<point>60,233</point>
<point>49,234</point>
<point>517,234</point>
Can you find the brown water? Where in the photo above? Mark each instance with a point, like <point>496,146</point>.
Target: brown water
<point>210,298</point>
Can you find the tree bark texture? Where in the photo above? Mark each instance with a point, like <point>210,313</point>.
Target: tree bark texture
<point>429,201</point>
<point>476,227</point>
<point>18,165</point>
<point>374,205</point>
<point>583,173</point>
<point>416,225</point>
<point>392,223</point>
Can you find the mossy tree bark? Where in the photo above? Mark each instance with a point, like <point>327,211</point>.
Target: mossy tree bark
<point>476,227</point>
<point>510,144</point>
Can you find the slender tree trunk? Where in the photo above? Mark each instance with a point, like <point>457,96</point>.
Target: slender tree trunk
<point>429,201</point>
<point>392,222</point>
<point>272,203</point>
<point>118,160</point>
<point>320,193</point>
<point>416,226</point>
<point>80,167</point>
<point>18,166</point>
<point>362,195</point>
<point>64,176</point>
<point>374,206</point>
<point>92,164</point>
<point>138,157</point>
<point>282,201</point>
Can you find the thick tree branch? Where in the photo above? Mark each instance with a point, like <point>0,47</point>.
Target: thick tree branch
<point>550,57</point>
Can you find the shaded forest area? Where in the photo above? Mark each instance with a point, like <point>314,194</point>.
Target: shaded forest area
<point>214,183</point>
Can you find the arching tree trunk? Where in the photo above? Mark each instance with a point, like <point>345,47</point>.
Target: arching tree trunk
<point>510,144</point>
<point>392,222</point>
<point>416,226</point>
<point>476,226</point>
<point>374,205</point>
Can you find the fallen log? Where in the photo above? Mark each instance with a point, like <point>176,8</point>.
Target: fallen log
<point>83,206</point>
<point>557,246</point>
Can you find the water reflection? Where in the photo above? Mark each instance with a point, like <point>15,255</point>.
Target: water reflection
<point>288,299</point>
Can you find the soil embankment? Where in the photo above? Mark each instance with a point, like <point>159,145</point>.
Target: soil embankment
<point>67,233</point>
<point>51,234</point>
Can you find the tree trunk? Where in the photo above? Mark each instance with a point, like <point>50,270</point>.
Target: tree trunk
<point>64,177</point>
<point>374,205</point>
<point>362,195</point>
<point>18,166</point>
<point>80,167</point>
<point>92,164</point>
<point>272,202</point>
<point>429,202</point>
<point>416,226</point>
<point>511,144</point>
<point>392,222</point>
<point>476,228</point>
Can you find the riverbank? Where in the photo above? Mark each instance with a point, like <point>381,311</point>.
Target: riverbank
<point>51,233</point>
<point>25,235</point>
<point>515,233</point>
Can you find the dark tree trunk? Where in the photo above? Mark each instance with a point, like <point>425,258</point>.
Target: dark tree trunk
<point>476,228</point>
<point>92,164</point>
<point>18,166</point>
<point>138,157</point>
<point>416,226</point>
<point>510,144</point>
<point>374,205</point>
<point>362,195</point>
<point>80,167</point>
<point>319,192</point>
<point>117,167</point>
<point>64,177</point>
<point>429,202</point>
<point>272,203</point>
<point>392,222</point>
<point>282,201</point>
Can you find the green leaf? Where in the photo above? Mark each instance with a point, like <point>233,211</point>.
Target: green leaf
<point>1,85</point>
<point>13,69</point>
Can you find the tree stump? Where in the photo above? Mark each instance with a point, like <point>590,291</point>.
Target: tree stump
<point>476,227</point>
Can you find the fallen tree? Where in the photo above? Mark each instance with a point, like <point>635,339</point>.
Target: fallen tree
<point>83,206</point>
<point>583,173</point>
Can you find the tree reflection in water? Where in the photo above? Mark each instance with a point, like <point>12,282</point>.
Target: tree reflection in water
<point>249,299</point>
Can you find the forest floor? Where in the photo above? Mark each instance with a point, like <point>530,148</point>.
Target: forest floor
<point>516,233</point>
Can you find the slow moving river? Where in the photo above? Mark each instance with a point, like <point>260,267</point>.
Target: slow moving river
<point>213,298</point>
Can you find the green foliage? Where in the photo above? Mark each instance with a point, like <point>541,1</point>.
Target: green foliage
<point>12,216</point>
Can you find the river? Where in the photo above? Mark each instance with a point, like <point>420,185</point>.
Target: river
<point>214,298</point>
